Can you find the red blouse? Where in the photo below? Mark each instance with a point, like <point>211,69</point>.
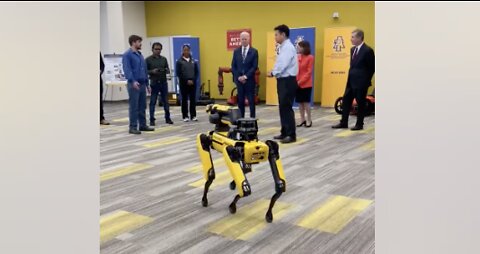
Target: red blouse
<point>305,68</point>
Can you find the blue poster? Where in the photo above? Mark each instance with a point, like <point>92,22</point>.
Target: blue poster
<point>305,34</point>
<point>194,43</point>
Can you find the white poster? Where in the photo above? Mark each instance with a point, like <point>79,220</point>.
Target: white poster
<point>113,69</point>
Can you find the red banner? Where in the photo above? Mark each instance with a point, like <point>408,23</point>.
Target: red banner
<point>233,38</point>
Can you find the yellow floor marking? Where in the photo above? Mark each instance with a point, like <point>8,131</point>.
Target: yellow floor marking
<point>198,168</point>
<point>348,133</point>
<point>248,220</point>
<point>123,171</point>
<point>120,222</point>
<point>299,141</point>
<point>125,119</point>
<point>333,215</point>
<point>334,118</point>
<point>221,178</point>
<point>270,130</point>
<point>164,142</point>
<point>369,146</point>
<point>162,129</point>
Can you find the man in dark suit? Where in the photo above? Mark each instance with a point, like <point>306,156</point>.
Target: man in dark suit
<point>362,68</point>
<point>102,68</point>
<point>244,66</point>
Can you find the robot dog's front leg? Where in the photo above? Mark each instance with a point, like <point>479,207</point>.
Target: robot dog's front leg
<point>233,157</point>
<point>203,147</point>
<point>278,176</point>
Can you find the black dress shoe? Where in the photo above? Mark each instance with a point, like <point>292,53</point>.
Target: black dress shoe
<point>340,126</point>
<point>279,137</point>
<point>152,123</point>
<point>132,131</point>
<point>304,123</point>
<point>169,121</point>
<point>146,128</point>
<point>357,128</point>
<point>309,125</point>
<point>288,139</point>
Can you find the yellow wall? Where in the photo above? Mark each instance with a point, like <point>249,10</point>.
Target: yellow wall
<point>211,20</point>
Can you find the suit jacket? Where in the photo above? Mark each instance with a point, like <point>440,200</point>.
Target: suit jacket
<point>362,67</point>
<point>247,67</point>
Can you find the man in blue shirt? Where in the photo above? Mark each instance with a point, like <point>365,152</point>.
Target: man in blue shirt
<point>135,70</point>
<point>286,70</point>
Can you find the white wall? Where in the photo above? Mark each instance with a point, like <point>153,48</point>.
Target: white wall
<point>119,20</point>
<point>134,21</point>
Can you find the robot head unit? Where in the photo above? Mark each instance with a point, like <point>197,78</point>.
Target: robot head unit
<point>228,119</point>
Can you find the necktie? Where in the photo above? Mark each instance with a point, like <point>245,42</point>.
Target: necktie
<point>354,53</point>
<point>244,53</point>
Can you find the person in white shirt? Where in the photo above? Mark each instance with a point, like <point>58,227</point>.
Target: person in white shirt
<point>285,70</point>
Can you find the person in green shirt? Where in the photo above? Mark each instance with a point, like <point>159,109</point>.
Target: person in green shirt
<point>158,69</point>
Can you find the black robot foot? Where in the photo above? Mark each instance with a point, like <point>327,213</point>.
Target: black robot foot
<point>269,217</point>
<point>204,202</point>
<point>232,208</point>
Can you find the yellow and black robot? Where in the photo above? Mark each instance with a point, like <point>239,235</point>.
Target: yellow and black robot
<point>236,138</point>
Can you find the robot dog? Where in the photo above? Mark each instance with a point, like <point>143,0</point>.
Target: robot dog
<point>236,138</point>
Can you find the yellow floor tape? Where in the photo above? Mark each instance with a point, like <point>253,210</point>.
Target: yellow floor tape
<point>120,222</point>
<point>124,171</point>
<point>249,220</point>
<point>164,142</point>
<point>348,133</point>
<point>333,215</point>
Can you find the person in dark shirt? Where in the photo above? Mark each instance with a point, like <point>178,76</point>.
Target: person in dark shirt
<point>157,67</point>
<point>135,70</point>
<point>187,73</point>
<point>102,68</point>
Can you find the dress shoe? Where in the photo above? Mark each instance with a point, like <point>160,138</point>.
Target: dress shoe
<point>146,128</point>
<point>152,123</point>
<point>279,137</point>
<point>132,131</point>
<point>357,128</point>
<point>309,125</point>
<point>340,126</point>
<point>302,124</point>
<point>103,122</point>
<point>169,121</point>
<point>288,139</point>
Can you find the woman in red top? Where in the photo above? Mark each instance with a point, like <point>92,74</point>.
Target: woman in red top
<point>304,80</point>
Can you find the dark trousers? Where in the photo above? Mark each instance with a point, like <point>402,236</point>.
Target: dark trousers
<point>101,100</point>
<point>162,89</point>
<point>286,89</point>
<point>246,90</point>
<point>137,100</point>
<point>359,94</point>
<point>188,92</point>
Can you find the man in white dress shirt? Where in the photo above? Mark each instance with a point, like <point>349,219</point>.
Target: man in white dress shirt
<point>285,70</point>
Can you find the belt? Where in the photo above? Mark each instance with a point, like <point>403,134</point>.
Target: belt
<point>289,77</point>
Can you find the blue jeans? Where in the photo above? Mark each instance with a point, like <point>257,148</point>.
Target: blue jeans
<point>246,90</point>
<point>161,88</point>
<point>137,105</point>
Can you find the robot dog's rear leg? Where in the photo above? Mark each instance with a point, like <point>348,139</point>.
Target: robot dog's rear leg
<point>278,176</point>
<point>203,147</point>
<point>232,158</point>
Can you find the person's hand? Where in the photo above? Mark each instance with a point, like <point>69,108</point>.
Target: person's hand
<point>149,90</point>
<point>155,70</point>
<point>136,85</point>
<point>190,82</point>
<point>241,79</point>
<point>270,75</point>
